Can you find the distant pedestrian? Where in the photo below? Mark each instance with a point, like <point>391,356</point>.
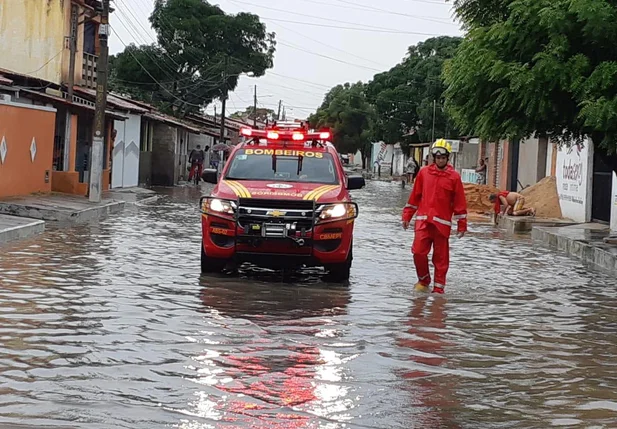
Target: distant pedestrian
<point>437,199</point>
<point>481,171</point>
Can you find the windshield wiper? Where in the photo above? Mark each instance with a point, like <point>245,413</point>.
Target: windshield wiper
<point>300,159</point>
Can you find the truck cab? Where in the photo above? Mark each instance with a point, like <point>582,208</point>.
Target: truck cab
<point>282,201</point>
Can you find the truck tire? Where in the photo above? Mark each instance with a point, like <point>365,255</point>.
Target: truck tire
<point>341,272</point>
<point>211,265</point>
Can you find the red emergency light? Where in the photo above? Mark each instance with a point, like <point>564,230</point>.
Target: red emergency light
<point>294,135</point>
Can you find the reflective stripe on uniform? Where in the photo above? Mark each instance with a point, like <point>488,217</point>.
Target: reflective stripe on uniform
<point>459,217</point>
<point>423,217</point>
<point>441,221</point>
<point>409,206</point>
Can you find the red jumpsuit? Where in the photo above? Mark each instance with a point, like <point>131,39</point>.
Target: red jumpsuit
<point>437,199</point>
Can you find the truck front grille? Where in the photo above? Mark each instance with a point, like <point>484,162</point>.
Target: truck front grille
<point>275,218</point>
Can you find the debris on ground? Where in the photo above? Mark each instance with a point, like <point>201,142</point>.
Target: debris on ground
<point>544,198</point>
<point>478,198</point>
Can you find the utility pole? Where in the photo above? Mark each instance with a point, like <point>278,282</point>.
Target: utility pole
<point>278,114</point>
<point>223,102</point>
<point>255,108</point>
<point>70,84</point>
<point>98,140</point>
<point>215,123</point>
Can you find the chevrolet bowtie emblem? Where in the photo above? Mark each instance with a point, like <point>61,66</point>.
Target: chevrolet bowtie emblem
<point>276,213</point>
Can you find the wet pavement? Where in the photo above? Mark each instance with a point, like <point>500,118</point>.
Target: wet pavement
<point>111,325</point>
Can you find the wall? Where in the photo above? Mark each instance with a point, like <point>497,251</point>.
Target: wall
<point>614,205</point>
<point>181,155</point>
<point>491,154</point>
<point>32,34</point>
<point>574,167</point>
<point>20,174</point>
<point>548,165</point>
<point>163,156</point>
<point>528,163</point>
<point>466,157</point>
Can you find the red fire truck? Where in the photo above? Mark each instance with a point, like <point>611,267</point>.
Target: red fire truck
<point>282,201</point>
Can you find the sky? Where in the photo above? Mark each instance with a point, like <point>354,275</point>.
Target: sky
<point>320,43</point>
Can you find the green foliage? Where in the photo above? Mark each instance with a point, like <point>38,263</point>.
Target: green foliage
<point>537,66</point>
<point>404,96</point>
<point>201,53</point>
<point>263,114</point>
<point>349,114</point>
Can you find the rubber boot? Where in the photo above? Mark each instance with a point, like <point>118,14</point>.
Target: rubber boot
<point>420,287</point>
<point>439,290</point>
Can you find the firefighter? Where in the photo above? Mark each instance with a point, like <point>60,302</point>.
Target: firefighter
<point>437,199</point>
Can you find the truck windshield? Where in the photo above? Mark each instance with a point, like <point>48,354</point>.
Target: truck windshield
<point>285,165</point>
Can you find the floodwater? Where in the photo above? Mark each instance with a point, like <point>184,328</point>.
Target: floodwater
<point>110,325</point>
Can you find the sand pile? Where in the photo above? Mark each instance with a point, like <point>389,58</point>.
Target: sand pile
<point>544,198</point>
<point>477,198</point>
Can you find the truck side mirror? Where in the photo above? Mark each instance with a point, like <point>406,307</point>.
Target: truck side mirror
<point>355,182</point>
<point>210,175</point>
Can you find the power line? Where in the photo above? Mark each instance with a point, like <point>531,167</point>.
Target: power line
<point>373,9</point>
<point>364,26</point>
<point>328,57</point>
<point>367,29</point>
<point>329,46</point>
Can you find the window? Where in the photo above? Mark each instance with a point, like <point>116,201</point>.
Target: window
<point>283,165</point>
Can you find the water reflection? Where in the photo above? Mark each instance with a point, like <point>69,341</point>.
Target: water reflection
<point>263,363</point>
<point>432,391</point>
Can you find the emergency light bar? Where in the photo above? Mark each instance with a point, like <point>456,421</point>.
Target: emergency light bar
<point>294,135</point>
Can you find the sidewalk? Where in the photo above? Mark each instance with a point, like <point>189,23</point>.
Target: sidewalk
<point>17,228</point>
<point>582,241</point>
<point>24,216</point>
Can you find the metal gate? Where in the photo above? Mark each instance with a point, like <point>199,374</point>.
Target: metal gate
<point>602,190</point>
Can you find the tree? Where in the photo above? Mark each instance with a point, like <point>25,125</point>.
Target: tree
<point>200,55</point>
<point>262,115</point>
<point>407,96</point>
<point>537,66</point>
<point>348,113</point>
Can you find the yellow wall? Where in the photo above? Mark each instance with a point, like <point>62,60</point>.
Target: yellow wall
<point>32,39</point>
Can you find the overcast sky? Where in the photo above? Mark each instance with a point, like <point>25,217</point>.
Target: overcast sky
<point>307,33</point>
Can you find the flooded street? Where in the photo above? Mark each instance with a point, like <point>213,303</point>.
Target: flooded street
<point>110,325</point>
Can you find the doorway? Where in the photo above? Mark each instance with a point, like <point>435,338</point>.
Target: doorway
<point>601,190</point>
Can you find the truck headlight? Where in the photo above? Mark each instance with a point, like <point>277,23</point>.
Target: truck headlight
<point>333,212</point>
<point>219,206</point>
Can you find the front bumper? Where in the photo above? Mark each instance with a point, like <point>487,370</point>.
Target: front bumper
<point>277,233</point>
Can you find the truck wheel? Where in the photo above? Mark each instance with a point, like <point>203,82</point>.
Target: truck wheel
<point>340,272</point>
<point>211,265</point>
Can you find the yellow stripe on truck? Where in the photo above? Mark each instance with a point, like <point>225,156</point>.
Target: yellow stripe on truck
<point>235,186</point>
<point>317,193</point>
<point>243,188</point>
<point>310,194</point>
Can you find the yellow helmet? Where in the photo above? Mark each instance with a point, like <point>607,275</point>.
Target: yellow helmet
<point>441,147</point>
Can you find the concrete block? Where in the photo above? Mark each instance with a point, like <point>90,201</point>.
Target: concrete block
<point>17,228</point>
<point>525,224</point>
<point>583,241</point>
